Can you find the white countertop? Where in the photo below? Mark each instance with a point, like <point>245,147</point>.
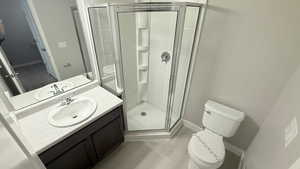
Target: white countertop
<point>41,135</point>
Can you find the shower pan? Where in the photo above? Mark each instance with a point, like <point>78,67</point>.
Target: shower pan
<point>145,53</point>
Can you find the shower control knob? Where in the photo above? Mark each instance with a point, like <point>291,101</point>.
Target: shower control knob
<point>165,57</point>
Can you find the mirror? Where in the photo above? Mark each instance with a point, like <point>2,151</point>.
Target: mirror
<point>42,50</point>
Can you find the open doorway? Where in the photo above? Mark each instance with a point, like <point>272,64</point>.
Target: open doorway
<point>23,48</point>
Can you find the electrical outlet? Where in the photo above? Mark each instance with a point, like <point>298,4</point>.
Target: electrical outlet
<point>290,132</point>
<point>62,44</point>
<point>67,65</point>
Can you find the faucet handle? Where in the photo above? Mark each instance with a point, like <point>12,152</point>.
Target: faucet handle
<point>67,100</point>
<point>53,93</point>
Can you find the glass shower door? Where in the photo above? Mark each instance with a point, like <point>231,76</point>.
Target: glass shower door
<point>149,47</point>
<point>184,60</point>
<point>146,42</point>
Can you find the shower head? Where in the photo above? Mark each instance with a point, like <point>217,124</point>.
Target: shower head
<point>2,32</point>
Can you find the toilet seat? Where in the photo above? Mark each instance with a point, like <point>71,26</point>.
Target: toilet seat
<point>207,149</point>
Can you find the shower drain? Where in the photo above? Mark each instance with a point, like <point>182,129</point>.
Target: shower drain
<point>143,113</point>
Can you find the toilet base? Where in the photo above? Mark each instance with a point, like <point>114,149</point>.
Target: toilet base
<point>193,165</point>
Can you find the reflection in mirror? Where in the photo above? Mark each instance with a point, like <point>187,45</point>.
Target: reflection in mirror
<point>42,50</point>
<point>103,41</point>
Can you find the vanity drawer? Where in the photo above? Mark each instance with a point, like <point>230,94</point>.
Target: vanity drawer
<point>87,136</point>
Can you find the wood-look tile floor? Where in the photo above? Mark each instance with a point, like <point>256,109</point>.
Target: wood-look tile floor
<point>157,154</point>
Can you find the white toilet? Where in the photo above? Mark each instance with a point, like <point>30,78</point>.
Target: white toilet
<point>206,148</point>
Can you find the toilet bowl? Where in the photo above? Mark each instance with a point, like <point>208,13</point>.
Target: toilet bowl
<point>206,148</point>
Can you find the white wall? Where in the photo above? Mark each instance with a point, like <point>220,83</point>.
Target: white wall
<point>267,151</point>
<point>58,26</point>
<point>83,44</point>
<point>247,52</point>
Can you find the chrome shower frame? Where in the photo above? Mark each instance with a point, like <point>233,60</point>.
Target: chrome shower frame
<point>113,9</point>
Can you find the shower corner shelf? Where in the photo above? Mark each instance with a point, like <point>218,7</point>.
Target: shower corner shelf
<point>142,53</point>
<point>143,82</point>
<point>143,67</point>
<point>143,48</point>
<point>143,27</point>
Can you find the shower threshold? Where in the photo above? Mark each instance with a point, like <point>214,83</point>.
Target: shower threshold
<point>153,134</point>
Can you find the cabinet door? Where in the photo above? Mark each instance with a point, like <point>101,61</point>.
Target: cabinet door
<point>108,137</point>
<point>75,158</point>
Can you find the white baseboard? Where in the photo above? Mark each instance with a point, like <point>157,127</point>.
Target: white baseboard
<point>232,148</point>
<point>192,126</point>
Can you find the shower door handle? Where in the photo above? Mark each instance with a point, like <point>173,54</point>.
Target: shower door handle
<point>165,57</point>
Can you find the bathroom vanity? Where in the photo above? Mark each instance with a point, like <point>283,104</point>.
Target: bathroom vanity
<point>78,146</point>
<point>86,147</point>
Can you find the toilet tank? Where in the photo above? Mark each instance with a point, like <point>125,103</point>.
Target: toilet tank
<point>221,119</point>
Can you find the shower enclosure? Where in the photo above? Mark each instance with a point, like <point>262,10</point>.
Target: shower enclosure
<point>145,52</point>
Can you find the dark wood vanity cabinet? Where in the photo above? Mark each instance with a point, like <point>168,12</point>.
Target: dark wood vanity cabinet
<point>85,148</point>
<point>75,158</point>
<point>107,137</point>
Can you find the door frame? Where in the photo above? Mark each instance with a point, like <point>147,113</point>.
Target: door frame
<point>39,35</point>
<point>37,39</point>
<point>11,72</point>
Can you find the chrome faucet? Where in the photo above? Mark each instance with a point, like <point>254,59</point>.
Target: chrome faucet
<point>68,100</point>
<point>57,91</point>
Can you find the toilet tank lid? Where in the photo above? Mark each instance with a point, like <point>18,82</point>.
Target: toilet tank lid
<point>225,111</point>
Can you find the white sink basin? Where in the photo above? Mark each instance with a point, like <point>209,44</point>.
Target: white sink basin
<point>47,91</point>
<point>74,113</point>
